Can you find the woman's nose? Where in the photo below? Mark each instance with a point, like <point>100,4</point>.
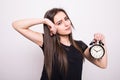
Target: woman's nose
<point>66,23</point>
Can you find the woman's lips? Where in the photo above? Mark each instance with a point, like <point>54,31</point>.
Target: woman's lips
<point>68,28</point>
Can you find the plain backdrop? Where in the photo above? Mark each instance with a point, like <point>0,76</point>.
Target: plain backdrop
<point>21,59</point>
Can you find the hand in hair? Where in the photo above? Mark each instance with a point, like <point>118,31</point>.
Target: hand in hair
<point>51,26</point>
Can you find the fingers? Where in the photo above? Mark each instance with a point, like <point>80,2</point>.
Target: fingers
<point>53,30</point>
<point>99,37</point>
<point>51,26</point>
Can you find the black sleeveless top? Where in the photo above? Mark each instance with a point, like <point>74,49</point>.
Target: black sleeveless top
<point>75,62</point>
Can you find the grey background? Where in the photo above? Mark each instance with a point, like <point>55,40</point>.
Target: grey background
<point>21,59</point>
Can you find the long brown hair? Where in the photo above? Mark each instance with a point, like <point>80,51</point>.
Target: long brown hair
<point>53,47</point>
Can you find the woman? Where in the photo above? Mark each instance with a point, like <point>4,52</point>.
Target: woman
<point>63,56</point>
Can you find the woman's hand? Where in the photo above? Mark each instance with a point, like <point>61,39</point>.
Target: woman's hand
<point>51,26</point>
<point>99,37</point>
<point>102,63</point>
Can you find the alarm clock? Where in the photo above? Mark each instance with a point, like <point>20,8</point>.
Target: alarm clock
<point>97,50</point>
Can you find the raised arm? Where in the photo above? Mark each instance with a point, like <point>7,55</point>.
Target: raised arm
<point>22,26</point>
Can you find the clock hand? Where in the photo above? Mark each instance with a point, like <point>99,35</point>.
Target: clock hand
<point>100,50</point>
<point>95,50</point>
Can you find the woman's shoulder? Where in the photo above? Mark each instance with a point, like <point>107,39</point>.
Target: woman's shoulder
<point>81,44</point>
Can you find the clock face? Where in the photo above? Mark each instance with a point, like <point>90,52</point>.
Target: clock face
<point>97,51</point>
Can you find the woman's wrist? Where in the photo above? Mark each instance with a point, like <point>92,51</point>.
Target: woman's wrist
<point>45,21</point>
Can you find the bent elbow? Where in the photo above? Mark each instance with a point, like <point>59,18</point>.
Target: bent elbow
<point>103,66</point>
<point>14,25</point>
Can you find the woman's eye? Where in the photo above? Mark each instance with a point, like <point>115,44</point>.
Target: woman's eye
<point>66,18</point>
<point>58,23</point>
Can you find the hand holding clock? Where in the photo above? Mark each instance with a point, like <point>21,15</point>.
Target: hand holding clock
<point>97,50</point>
<point>99,37</point>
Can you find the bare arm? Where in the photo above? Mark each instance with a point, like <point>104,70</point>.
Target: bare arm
<point>102,63</point>
<point>22,26</point>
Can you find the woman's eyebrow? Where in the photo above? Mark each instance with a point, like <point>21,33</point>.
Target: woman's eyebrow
<point>58,21</point>
<point>61,19</point>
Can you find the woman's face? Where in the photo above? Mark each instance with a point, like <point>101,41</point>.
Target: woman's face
<point>62,23</point>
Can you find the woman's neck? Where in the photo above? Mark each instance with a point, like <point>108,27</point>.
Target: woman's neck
<point>65,40</point>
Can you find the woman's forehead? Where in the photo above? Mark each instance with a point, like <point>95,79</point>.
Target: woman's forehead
<point>60,15</point>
